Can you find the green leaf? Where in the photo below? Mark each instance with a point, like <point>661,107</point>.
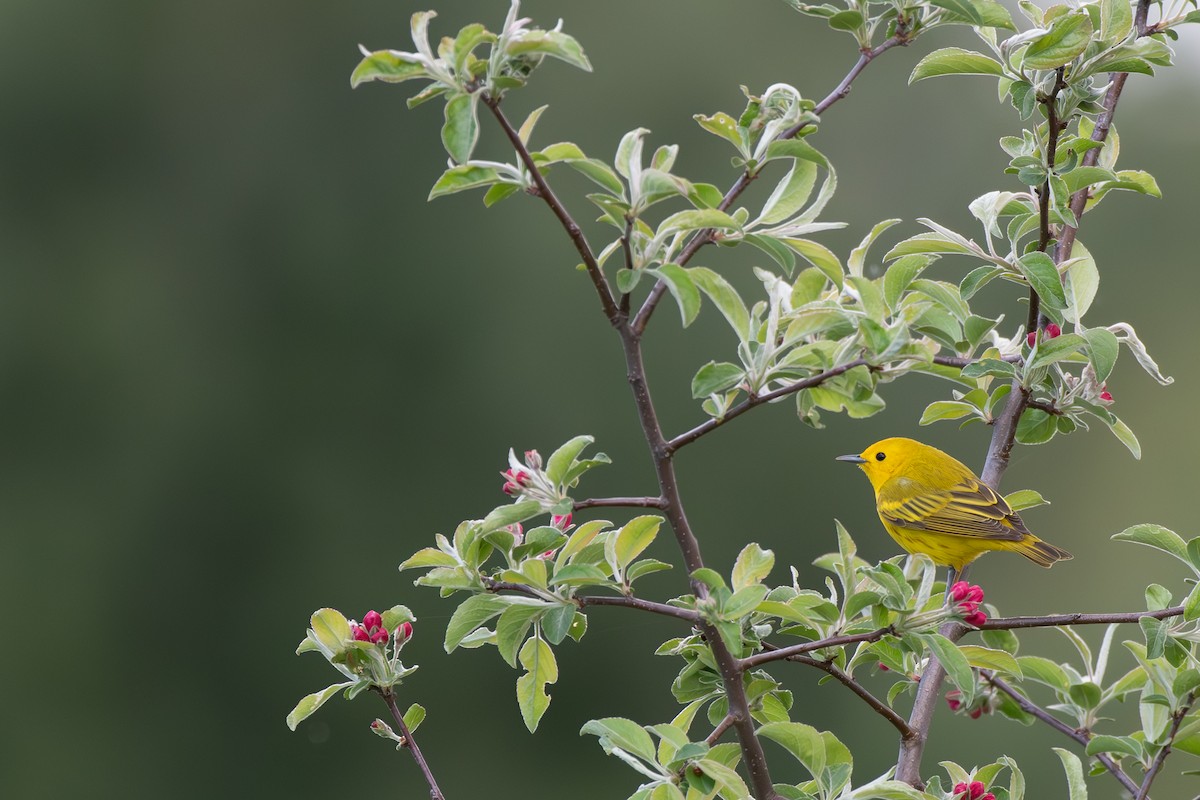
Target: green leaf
<point>623,733</point>
<point>954,61</point>
<point>1042,274</point>
<point>1124,435</point>
<point>1068,36</point>
<point>1116,21</point>
<point>461,129</point>
<point>1155,632</point>
<point>725,298</point>
<point>846,21</point>
<point>858,255</point>
<point>429,557</point>
<point>682,288</point>
<point>743,601</point>
<point>1045,671</point>
<point>556,625</point>
<point>958,669</point>
<point>1025,498</point>
<point>1113,744</point>
<point>331,629</point>
<point>541,669</point>
<point>723,125</point>
<point>550,43</point>
<point>900,274</point>
<point>1056,349</point>
<point>963,8</point>
<point>413,717</point>
<point>560,460</point>
<point>511,628</point>
<point>791,193</point>
<point>388,66</point>
<point>713,377</point>
<point>802,741</point>
<point>1036,427</point>
<point>473,612</point>
<point>504,516</point>
<point>927,243</point>
<point>987,658</point>
<point>307,706</point>
<point>1080,283</point>
<point>1102,350</point>
<point>1191,606</point>
<point>945,409</point>
<point>461,178</point>
<point>635,537</point>
<point>698,219</point>
<point>1074,769</point>
<point>599,173</point>
<point>646,566</point>
<point>498,192</point>
<point>820,257</point>
<point>752,566</point>
<point>730,784</point>
<point>1158,537</point>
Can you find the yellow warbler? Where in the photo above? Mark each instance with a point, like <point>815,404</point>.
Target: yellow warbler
<point>932,503</point>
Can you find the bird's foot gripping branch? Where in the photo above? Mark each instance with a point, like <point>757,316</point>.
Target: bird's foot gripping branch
<point>829,333</point>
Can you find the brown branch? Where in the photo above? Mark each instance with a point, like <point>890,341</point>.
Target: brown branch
<point>960,362</point>
<point>620,502</point>
<point>1080,736</point>
<point>1143,792</point>
<point>719,731</point>
<point>599,600</point>
<point>411,744</point>
<point>569,225</point>
<point>1049,408</point>
<point>881,708</point>
<point>781,653</point>
<point>757,400</point>
<point>901,37</point>
<point>1011,623</point>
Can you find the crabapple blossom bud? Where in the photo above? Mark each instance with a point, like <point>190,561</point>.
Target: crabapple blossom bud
<point>372,619</point>
<point>954,699</point>
<point>533,459</point>
<point>1106,396</point>
<point>359,633</point>
<point>404,632</point>
<point>561,521</point>
<point>1053,331</point>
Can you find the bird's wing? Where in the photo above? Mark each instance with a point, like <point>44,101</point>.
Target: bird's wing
<point>969,508</point>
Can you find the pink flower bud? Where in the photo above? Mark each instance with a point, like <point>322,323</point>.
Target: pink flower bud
<point>959,590</point>
<point>953,699</point>
<point>1053,331</point>
<point>533,459</point>
<point>359,633</point>
<point>546,556</point>
<point>1031,338</point>
<point>960,789</point>
<point>883,667</point>
<point>518,532</point>
<point>372,620</point>
<point>988,796</point>
<point>1106,396</point>
<point>975,619</point>
<point>977,789</point>
<point>404,632</point>
<point>380,636</point>
<point>976,714</point>
<point>561,521</point>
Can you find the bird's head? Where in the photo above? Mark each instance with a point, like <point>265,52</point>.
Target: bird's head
<point>886,458</point>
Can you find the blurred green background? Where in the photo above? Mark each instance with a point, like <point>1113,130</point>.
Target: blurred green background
<point>248,370</point>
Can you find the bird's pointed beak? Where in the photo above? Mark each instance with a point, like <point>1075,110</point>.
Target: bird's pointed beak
<point>852,459</point>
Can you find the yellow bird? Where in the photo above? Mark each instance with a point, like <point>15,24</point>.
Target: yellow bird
<point>932,503</point>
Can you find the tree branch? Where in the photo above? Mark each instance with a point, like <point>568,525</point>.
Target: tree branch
<point>781,653</point>
<point>881,708</point>
<point>620,502</point>
<point>960,362</point>
<point>569,225</point>
<point>757,400</point>
<point>719,731</point>
<point>1082,737</point>
<point>411,744</point>
<point>1143,792</point>
<point>600,600</point>
<point>901,37</point>
<point>1011,623</point>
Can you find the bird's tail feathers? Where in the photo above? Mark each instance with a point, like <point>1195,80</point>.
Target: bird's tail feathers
<point>1041,553</point>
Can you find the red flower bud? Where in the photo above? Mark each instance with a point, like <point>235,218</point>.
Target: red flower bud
<point>360,634</point>
<point>977,789</point>
<point>1053,331</point>
<point>959,590</point>
<point>976,714</point>
<point>988,796</point>
<point>372,620</point>
<point>1031,338</point>
<point>960,789</point>
<point>975,619</point>
<point>883,667</point>
<point>561,521</point>
<point>533,459</point>
<point>1106,396</point>
<point>404,632</point>
<point>953,699</point>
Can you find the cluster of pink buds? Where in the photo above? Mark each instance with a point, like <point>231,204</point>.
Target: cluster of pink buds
<point>515,480</point>
<point>1052,331</point>
<point>975,790</point>
<point>561,521</point>
<point>981,706</point>
<point>372,630</point>
<point>967,598</point>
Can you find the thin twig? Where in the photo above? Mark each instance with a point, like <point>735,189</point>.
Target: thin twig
<point>1049,408</point>
<point>620,502</point>
<point>901,37</point>
<point>1176,720</point>
<point>1011,623</point>
<point>599,600</point>
<point>757,400</point>
<point>1080,736</point>
<point>719,731</point>
<point>411,744</point>
<point>881,708</point>
<point>611,311</point>
<point>781,653</point>
<point>960,361</point>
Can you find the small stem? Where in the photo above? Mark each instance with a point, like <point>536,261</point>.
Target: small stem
<point>1049,408</point>
<point>757,400</point>
<point>411,744</point>
<point>583,601</point>
<point>719,731</point>
<point>1176,720</point>
<point>1080,736</point>
<point>781,653</point>
<point>620,502</point>
<point>1011,623</point>
<point>960,362</point>
<point>569,225</point>
<point>874,702</point>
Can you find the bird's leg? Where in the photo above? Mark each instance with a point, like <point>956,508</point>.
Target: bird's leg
<point>951,576</point>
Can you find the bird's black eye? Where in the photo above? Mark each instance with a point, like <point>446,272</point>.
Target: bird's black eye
<point>880,456</point>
